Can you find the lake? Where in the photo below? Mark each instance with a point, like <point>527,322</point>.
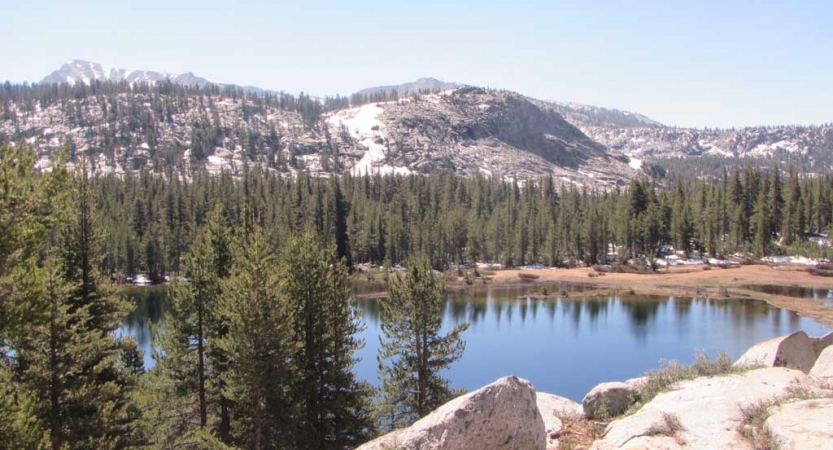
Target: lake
<point>564,346</point>
<point>819,294</point>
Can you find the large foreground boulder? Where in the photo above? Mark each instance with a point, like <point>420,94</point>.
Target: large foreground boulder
<point>704,413</point>
<point>823,368</point>
<point>500,416</point>
<point>607,400</point>
<point>802,425</point>
<point>795,350</point>
<point>553,408</point>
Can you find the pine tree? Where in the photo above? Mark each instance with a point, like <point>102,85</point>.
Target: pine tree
<point>68,359</point>
<point>413,352</point>
<point>762,222</point>
<point>259,345</point>
<point>189,324</point>
<point>333,405</point>
<point>28,203</point>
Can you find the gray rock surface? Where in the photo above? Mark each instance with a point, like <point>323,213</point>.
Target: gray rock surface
<point>803,425</point>
<point>707,409</point>
<point>821,343</point>
<point>500,416</point>
<point>607,399</point>
<point>795,350</point>
<point>823,368</point>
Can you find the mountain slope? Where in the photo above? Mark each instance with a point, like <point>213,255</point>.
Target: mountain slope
<point>473,130</point>
<point>596,116</point>
<point>467,131</point>
<point>642,138</point>
<point>415,87</point>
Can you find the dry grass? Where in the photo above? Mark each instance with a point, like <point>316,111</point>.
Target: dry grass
<point>661,380</point>
<point>753,425</point>
<point>579,433</point>
<point>669,426</point>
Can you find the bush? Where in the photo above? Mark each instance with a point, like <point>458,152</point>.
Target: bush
<point>670,426</point>
<point>525,276</point>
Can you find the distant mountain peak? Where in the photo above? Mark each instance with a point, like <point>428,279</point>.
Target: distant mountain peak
<point>80,71</point>
<point>76,71</point>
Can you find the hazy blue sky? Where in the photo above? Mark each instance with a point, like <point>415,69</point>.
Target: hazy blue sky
<point>690,63</point>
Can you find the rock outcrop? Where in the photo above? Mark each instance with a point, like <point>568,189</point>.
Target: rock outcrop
<point>823,368</point>
<point>607,400</point>
<point>802,425</point>
<point>704,413</point>
<point>554,408</point>
<point>500,416</point>
<point>795,350</point>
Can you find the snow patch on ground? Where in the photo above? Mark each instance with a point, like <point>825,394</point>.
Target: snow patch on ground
<point>364,125</point>
<point>359,121</point>
<point>791,260</point>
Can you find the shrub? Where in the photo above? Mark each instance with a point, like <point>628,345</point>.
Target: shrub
<point>819,272</point>
<point>669,426</point>
<point>525,276</point>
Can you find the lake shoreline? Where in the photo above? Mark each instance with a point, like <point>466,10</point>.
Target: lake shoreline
<point>679,281</point>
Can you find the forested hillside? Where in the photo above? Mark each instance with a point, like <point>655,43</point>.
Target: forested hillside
<point>167,127</point>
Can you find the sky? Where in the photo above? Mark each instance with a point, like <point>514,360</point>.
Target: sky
<point>700,63</point>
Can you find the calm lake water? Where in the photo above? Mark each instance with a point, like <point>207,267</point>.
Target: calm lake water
<point>564,346</point>
<point>822,295</point>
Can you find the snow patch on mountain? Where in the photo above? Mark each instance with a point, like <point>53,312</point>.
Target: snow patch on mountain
<point>363,125</point>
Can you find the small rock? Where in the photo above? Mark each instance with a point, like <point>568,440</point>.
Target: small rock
<point>803,425</point>
<point>607,400</point>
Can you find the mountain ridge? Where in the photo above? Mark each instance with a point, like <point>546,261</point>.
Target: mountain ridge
<point>442,129</point>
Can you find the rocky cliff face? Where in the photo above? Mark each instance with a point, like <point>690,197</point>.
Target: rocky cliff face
<point>472,130</point>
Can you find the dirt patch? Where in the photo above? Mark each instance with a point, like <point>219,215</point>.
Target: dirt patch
<point>686,281</point>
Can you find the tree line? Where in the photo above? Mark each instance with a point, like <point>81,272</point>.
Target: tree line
<point>152,221</point>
